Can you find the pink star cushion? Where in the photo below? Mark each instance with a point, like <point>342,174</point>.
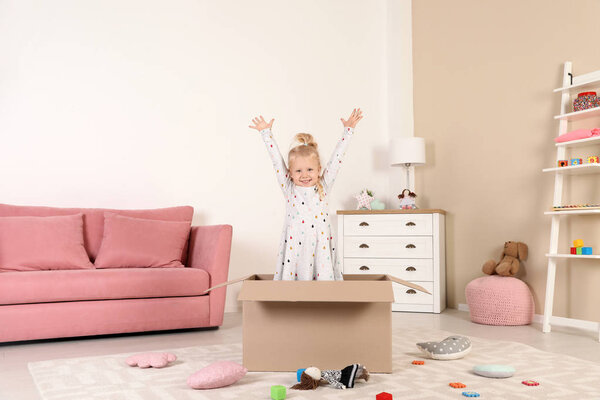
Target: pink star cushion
<point>216,375</point>
<point>154,360</point>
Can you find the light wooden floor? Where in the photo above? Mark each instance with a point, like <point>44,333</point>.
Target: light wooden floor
<point>17,384</point>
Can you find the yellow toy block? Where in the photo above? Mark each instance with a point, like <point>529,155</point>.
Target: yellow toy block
<point>578,243</point>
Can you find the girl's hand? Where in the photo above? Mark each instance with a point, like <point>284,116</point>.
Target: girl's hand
<point>353,119</point>
<point>260,123</point>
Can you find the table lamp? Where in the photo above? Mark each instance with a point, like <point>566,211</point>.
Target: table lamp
<point>407,152</point>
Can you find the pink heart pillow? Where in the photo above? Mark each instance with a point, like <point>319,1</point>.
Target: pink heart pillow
<point>154,360</point>
<point>216,375</point>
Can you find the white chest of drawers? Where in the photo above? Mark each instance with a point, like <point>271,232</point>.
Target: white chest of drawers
<point>408,244</point>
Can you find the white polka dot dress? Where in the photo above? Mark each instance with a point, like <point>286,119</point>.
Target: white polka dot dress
<point>307,249</point>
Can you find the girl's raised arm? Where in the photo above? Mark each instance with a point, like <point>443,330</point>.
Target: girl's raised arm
<point>281,171</point>
<point>333,166</point>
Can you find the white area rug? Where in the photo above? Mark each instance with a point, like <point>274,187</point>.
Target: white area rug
<point>108,377</point>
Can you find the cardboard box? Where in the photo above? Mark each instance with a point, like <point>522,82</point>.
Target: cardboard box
<point>289,325</point>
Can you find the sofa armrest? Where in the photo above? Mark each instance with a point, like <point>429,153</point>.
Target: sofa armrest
<point>210,248</point>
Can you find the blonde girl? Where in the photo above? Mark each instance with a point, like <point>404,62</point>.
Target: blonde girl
<point>307,248</point>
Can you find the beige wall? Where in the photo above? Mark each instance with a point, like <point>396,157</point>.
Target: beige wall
<point>140,104</point>
<point>484,72</point>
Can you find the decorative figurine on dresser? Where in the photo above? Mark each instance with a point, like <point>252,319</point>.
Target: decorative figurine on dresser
<point>407,244</point>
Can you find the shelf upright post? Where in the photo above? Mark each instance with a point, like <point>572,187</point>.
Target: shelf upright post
<point>557,201</point>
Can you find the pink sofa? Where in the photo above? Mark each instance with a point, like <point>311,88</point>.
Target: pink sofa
<point>81,302</point>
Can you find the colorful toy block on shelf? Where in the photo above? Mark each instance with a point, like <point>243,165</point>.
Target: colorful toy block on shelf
<point>384,396</point>
<point>576,161</point>
<point>579,250</point>
<point>278,392</point>
<point>593,160</point>
<point>563,163</point>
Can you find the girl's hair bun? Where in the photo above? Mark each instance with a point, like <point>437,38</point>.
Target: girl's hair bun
<point>305,139</point>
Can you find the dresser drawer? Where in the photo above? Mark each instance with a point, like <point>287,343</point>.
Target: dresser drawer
<point>414,269</point>
<point>405,295</point>
<point>388,224</point>
<point>388,247</point>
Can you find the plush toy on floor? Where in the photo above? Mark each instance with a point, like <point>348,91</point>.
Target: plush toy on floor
<point>451,348</point>
<point>312,377</point>
<point>509,265</point>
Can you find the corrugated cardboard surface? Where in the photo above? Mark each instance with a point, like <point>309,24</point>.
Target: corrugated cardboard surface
<point>296,324</point>
<point>281,336</point>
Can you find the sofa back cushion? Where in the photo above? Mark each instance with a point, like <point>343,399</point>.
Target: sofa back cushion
<point>42,243</point>
<point>138,242</point>
<point>93,219</point>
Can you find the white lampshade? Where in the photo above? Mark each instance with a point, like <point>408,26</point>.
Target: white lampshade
<point>407,150</point>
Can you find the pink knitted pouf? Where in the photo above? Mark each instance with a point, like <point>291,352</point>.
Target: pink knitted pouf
<point>499,300</point>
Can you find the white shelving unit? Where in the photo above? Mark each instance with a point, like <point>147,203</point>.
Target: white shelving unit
<point>571,84</point>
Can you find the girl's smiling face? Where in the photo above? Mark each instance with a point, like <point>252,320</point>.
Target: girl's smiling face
<point>305,171</point>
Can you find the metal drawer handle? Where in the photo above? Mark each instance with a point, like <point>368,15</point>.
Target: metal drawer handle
<point>363,224</point>
<point>411,246</point>
<point>411,269</point>
<point>411,291</point>
<point>364,268</point>
<point>364,246</point>
<point>410,224</point>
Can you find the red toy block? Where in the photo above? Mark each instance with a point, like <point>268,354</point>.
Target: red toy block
<point>573,250</point>
<point>384,396</point>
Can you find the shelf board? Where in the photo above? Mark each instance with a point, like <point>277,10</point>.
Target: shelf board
<point>566,212</point>
<point>581,142</point>
<point>584,82</point>
<point>577,115</point>
<point>593,256</point>
<point>575,169</point>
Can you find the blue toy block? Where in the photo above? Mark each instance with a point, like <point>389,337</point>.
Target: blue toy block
<point>586,251</point>
<point>576,161</point>
<point>299,373</point>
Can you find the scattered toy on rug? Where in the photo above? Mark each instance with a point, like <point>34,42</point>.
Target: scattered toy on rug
<point>147,360</point>
<point>494,370</point>
<point>509,265</point>
<point>312,377</point>
<point>470,394</point>
<point>529,382</point>
<point>451,348</point>
<point>418,362</point>
<point>457,385</point>
<point>299,373</point>
<point>277,392</point>
<point>216,375</point>
<point>384,396</point>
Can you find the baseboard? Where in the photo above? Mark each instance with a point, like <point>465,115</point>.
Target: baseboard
<point>558,321</point>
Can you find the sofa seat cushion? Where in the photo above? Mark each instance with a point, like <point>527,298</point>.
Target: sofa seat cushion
<point>100,284</point>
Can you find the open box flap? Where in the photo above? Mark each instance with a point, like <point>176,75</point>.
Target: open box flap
<point>354,288</point>
<point>409,284</point>
<point>230,282</point>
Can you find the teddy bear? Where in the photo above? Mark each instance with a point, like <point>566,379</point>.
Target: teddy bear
<point>514,252</point>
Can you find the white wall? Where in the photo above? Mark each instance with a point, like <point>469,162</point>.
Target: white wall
<point>136,104</point>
